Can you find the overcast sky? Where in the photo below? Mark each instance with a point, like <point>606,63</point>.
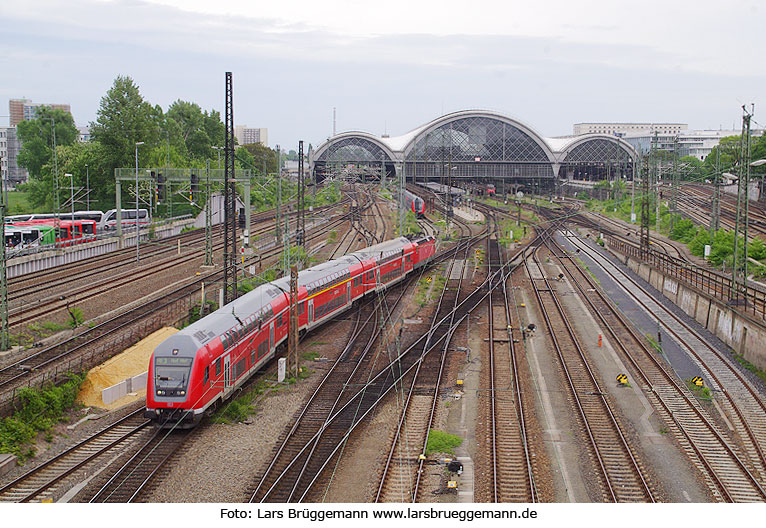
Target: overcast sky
<point>392,65</point>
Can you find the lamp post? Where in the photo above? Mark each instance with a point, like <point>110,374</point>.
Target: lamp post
<point>138,257</point>
<point>71,192</point>
<point>87,188</point>
<point>219,149</point>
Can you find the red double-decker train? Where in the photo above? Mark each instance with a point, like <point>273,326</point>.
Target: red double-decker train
<point>202,365</point>
<point>415,204</point>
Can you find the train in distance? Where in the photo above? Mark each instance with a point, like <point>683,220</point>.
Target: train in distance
<point>415,204</point>
<point>200,366</point>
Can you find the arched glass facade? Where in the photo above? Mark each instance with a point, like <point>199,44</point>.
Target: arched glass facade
<point>353,153</point>
<point>597,159</point>
<point>477,147</point>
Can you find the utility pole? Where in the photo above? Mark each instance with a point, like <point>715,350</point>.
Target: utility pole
<point>278,225</point>
<point>292,339</point>
<point>674,190</point>
<point>739,273</point>
<point>230,211</point>
<point>4,337</point>
<point>208,221</point>
<point>300,233</point>
<point>656,175</point>
<point>401,200</point>
<point>644,209</point>
<point>716,213</point>
<point>632,190</point>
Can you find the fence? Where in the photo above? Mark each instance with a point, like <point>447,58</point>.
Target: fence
<point>705,280</point>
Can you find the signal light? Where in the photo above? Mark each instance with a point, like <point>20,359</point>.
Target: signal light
<point>194,182</point>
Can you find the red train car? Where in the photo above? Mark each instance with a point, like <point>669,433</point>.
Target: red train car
<point>415,204</point>
<point>201,365</point>
<point>68,232</point>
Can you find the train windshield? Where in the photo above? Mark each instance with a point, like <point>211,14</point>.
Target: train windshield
<point>172,372</point>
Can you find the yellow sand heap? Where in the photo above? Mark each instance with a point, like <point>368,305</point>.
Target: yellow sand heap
<point>127,364</point>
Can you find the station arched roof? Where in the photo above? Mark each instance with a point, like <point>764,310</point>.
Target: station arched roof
<point>356,146</point>
<point>476,134</point>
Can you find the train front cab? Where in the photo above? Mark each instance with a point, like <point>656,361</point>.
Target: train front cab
<point>176,383</point>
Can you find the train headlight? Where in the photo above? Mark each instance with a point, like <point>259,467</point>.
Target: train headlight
<point>183,393</point>
<point>160,393</point>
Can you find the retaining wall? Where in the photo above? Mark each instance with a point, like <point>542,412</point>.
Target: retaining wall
<point>741,333</point>
<point>42,260</point>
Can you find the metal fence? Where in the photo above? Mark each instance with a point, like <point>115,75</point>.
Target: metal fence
<point>704,280</point>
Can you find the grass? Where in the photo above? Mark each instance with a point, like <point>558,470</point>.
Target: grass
<point>442,442</point>
<point>701,393</point>
<point>241,407</point>
<point>749,366</point>
<point>427,289</point>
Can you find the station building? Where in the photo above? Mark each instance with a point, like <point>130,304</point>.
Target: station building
<point>477,146</point>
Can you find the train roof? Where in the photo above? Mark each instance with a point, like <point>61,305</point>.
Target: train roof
<point>218,322</point>
<point>259,299</point>
<point>439,188</point>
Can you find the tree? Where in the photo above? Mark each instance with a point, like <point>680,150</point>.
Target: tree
<point>265,160</point>
<point>692,168</point>
<point>124,118</point>
<point>729,149</point>
<point>36,137</point>
<point>198,130</point>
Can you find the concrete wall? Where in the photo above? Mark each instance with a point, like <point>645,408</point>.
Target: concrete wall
<point>741,333</point>
<point>42,260</point>
<point>125,387</point>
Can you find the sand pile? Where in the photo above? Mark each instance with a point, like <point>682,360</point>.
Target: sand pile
<point>127,364</point>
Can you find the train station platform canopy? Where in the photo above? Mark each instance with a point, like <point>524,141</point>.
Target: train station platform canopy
<point>476,144</point>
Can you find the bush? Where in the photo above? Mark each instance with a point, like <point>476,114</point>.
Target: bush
<point>40,410</point>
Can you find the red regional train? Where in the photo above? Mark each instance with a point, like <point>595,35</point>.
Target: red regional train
<point>68,232</point>
<point>415,204</point>
<point>201,365</point>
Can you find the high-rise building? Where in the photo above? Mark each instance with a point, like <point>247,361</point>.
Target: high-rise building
<point>247,136</point>
<point>11,173</point>
<point>24,109</point>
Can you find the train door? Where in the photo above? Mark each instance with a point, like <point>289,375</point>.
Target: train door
<point>311,311</point>
<point>226,373</point>
<point>271,335</point>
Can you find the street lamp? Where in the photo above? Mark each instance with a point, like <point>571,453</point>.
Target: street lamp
<point>138,257</point>
<point>219,149</point>
<point>71,191</point>
<point>87,188</point>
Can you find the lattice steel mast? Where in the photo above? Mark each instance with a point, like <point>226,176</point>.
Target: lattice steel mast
<point>739,272</point>
<point>300,231</point>
<point>230,216</point>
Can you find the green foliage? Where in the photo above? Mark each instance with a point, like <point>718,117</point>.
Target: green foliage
<point>195,311</point>
<point>40,410</point>
<point>442,442</point>
<point>411,226</point>
<point>684,230</point>
<point>264,159</point>
<point>76,317</point>
<point>248,285</point>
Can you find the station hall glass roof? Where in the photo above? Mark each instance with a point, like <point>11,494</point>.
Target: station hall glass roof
<point>476,137</point>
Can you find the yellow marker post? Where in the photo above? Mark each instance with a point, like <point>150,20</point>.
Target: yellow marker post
<point>459,381</point>
<point>623,379</point>
<point>698,381</point>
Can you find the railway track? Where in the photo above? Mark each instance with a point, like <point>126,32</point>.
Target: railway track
<point>617,468</point>
<point>744,406</point>
<point>46,481</point>
<point>513,470</point>
<point>26,312</point>
<point>97,343</point>
<point>403,471</point>
<point>135,475</point>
